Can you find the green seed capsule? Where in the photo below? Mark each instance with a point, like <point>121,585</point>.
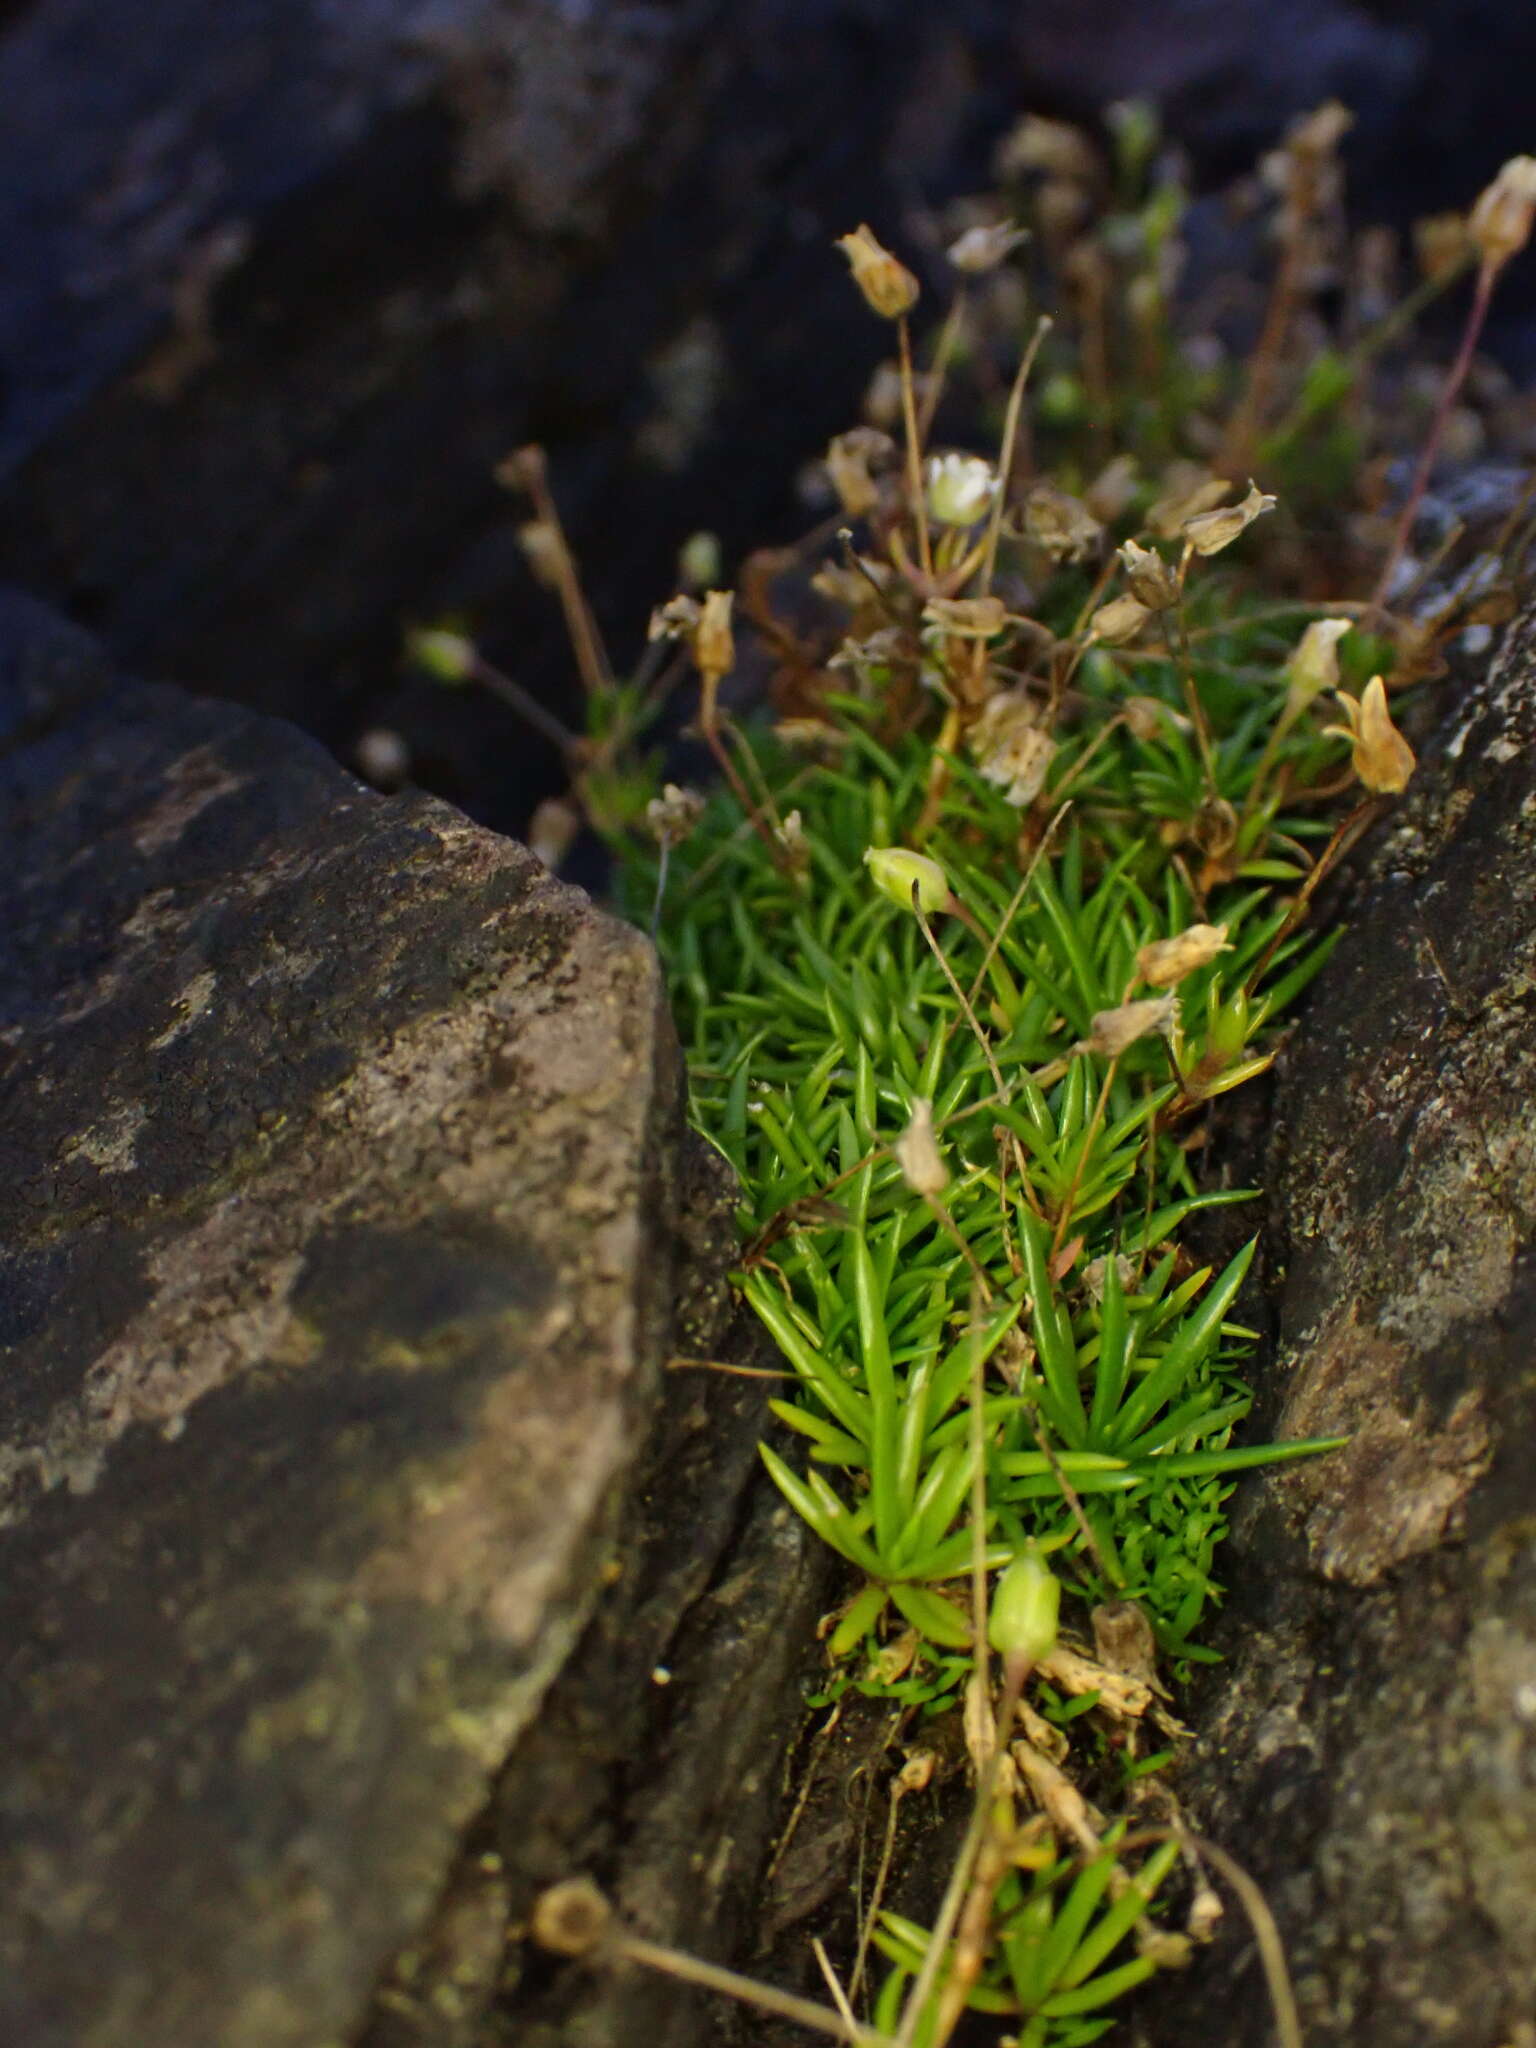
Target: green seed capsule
<point>895,870</point>
<point>1025,1605</point>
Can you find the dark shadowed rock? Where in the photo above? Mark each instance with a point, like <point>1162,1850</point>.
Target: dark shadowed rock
<point>335,1272</point>
<point>285,279</point>
<point>1370,1751</point>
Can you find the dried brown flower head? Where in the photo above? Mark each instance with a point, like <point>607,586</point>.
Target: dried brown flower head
<point>714,648</point>
<point>1010,748</point>
<point>918,1155</point>
<point>1119,621</point>
<point>673,815</point>
<point>1113,1032</point>
<point>1060,523</point>
<point>972,618</point>
<point>1209,532</point>
<point>1500,221</point>
<point>1383,759</point>
<point>1166,961</point>
<point>852,461</point>
<point>888,286</point>
<point>1151,580</point>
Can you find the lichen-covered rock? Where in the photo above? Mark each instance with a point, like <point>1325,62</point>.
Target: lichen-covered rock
<point>335,1226</point>
<point>1370,1751</point>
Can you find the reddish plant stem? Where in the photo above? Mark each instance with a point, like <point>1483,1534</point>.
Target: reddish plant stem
<point>1453,383</point>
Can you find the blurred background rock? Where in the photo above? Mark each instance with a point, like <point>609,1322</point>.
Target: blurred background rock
<point>283,280</point>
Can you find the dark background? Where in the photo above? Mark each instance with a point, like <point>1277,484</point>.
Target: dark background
<point>282,280</point>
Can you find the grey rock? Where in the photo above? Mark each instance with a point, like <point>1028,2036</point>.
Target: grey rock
<point>1370,1748</point>
<point>335,1279</point>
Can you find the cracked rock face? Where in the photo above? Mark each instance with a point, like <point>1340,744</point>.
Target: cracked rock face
<point>1370,1750</point>
<point>334,1270</point>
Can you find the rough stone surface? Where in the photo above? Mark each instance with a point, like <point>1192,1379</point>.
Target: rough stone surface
<point>658,1763</point>
<point>335,1249</point>
<point>1370,1750</point>
<point>285,280</point>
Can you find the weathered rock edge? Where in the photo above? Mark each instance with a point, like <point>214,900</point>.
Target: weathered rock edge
<point>335,1271</point>
<point>1370,1749</point>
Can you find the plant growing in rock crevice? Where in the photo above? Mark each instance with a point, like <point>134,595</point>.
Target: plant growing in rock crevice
<point>1010,886</point>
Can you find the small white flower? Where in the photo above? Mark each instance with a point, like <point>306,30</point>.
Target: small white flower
<point>960,489</point>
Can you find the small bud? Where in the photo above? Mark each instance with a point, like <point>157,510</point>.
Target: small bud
<point>552,831</point>
<point>888,286</point>
<point>383,757</point>
<point>960,489</point>
<point>714,648</point>
<point>1026,1604</point>
<point>1383,759</point>
<point>791,836</point>
<point>983,248</point>
<point>1119,620</point>
<point>673,815</point>
<point>972,618</point>
<point>698,561</point>
<point>895,871</point>
<point>916,1774</point>
<point>1166,961</point>
<point>1209,532</point>
<point>1500,221</point>
<point>1060,523</point>
<point>571,1919</point>
<point>446,657</point>
<point>1113,1032</point>
<point>918,1155</point>
<point>1314,667</point>
<point>1214,826</point>
<point>1150,578</point>
<point>525,469</point>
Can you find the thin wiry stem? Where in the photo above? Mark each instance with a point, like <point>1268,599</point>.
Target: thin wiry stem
<point>1266,1932</point>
